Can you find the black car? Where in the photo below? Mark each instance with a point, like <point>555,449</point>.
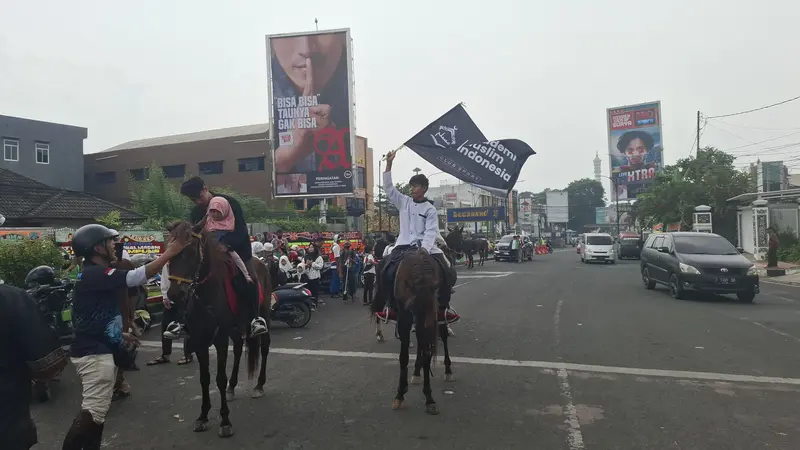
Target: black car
<point>627,246</point>
<point>690,261</point>
<point>502,250</point>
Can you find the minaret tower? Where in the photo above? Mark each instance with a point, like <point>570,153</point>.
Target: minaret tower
<point>597,171</point>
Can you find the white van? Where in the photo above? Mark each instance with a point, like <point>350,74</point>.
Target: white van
<point>597,247</point>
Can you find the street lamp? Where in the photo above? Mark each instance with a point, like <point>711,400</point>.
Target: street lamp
<point>417,170</point>
<point>616,197</point>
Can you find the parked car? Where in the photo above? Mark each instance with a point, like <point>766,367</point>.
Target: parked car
<point>628,245</point>
<point>597,247</point>
<point>503,249</point>
<point>691,261</point>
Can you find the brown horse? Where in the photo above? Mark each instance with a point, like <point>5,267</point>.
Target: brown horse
<point>415,287</point>
<point>198,278</point>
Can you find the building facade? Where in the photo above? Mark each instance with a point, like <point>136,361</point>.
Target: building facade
<point>50,153</point>
<point>237,157</point>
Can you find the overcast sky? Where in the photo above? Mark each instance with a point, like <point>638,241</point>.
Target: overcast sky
<point>540,71</point>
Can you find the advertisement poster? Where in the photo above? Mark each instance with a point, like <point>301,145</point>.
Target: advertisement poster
<point>16,234</point>
<point>487,214</point>
<point>311,108</point>
<point>135,242</point>
<point>635,150</point>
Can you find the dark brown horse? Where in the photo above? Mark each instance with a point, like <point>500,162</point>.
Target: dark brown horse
<point>198,280</point>
<point>415,287</point>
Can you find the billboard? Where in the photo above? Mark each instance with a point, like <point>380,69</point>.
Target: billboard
<point>312,127</point>
<point>635,148</point>
<point>607,215</point>
<point>134,242</point>
<point>557,207</point>
<point>488,214</point>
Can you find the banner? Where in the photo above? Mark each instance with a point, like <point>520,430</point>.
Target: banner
<point>455,145</point>
<point>488,214</point>
<point>312,131</point>
<point>134,242</point>
<point>635,150</point>
<point>17,234</point>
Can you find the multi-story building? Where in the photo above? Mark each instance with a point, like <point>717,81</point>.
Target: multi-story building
<point>237,157</point>
<point>770,175</point>
<point>50,153</point>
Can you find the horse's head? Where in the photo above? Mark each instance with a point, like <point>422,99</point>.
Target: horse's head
<point>197,261</point>
<point>455,239</point>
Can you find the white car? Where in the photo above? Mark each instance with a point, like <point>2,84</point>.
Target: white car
<point>597,247</point>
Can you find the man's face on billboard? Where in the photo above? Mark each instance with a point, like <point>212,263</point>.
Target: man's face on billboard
<point>319,54</point>
<point>636,151</point>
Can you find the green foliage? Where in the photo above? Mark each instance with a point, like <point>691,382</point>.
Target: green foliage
<point>584,196</point>
<point>17,258</point>
<point>298,224</point>
<point>404,188</point>
<point>710,179</point>
<point>158,199</point>
<point>255,208</point>
<point>789,247</point>
<point>110,220</point>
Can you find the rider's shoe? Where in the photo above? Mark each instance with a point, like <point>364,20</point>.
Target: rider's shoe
<point>174,331</point>
<point>452,290</point>
<point>258,326</point>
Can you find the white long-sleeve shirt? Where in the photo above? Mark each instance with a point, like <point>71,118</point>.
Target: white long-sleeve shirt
<point>418,221</point>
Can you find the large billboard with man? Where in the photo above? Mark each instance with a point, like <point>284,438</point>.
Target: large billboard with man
<point>635,148</point>
<point>312,136</point>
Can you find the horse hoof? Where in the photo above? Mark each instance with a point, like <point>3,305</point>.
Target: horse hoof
<point>200,426</point>
<point>432,409</point>
<point>230,395</point>
<point>449,377</point>
<point>225,431</point>
<point>379,337</point>
<point>397,403</point>
<point>415,379</point>
<point>258,393</point>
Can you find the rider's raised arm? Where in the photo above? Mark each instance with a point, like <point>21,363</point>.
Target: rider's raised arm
<point>392,194</point>
<point>431,229</point>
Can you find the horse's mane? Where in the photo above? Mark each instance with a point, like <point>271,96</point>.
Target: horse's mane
<point>214,259</point>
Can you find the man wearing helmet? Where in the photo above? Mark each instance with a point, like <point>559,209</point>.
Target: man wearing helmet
<point>97,321</point>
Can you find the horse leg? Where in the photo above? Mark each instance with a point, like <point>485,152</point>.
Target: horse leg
<point>238,345</point>
<point>415,377</point>
<point>201,424</point>
<point>423,342</point>
<point>266,341</point>
<point>404,321</point>
<point>378,331</point>
<point>448,372</point>
<point>221,344</point>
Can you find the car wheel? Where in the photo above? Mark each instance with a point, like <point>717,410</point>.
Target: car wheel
<point>746,297</point>
<point>648,283</point>
<point>675,289</point>
<point>613,262</point>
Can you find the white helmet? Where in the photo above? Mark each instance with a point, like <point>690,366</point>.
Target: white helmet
<point>268,247</point>
<point>258,247</point>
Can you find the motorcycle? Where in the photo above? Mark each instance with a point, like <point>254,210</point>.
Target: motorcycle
<point>54,302</point>
<point>291,303</point>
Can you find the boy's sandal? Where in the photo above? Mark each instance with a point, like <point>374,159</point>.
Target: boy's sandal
<point>185,360</point>
<point>160,360</point>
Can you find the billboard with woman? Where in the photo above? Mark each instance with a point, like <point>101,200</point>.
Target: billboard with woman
<point>635,151</point>
<point>311,113</point>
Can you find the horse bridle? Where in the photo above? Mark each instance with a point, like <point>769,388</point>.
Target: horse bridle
<point>195,281</point>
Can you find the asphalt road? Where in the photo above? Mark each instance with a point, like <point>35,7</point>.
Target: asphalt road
<point>552,354</point>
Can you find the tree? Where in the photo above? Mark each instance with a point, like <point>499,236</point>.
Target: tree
<point>158,199</point>
<point>110,220</point>
<point>584,196</point>
<point>18,257</point>
<point>710,179</point>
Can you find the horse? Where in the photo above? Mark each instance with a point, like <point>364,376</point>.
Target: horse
<point>415,287</point>
<point>482,246</point>
<point>200,277</point>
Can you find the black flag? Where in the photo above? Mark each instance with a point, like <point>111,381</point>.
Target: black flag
<point>455,145</point>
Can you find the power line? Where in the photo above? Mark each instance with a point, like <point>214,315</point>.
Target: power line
<point>756,128</point>
<point>754,110</point>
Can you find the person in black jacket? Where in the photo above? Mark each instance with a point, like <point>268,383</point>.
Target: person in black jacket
<point>238,240</point>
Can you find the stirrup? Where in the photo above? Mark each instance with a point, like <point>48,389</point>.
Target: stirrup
<point>258,326</point>
<point>174,331</point>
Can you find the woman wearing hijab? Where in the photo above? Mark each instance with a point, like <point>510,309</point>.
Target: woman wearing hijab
<point>284,270</point>
<point>314,266</point>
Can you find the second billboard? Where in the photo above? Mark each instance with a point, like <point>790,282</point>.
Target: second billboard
<point>312,134</point>
<point>635,148</point>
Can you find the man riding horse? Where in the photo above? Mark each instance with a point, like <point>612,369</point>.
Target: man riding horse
<point>419,227</point>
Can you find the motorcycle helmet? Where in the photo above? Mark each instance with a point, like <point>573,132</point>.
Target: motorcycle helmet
<point>87,236</point>
<point>41,276</point>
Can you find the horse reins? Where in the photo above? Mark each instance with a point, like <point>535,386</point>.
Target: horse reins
<point>195,281</point>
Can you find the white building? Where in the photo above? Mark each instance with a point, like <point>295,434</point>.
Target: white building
<point>597,170</point>
<point>449,195</point>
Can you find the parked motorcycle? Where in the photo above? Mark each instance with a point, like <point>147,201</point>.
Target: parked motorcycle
<point>53,300</point>
<point>291,303</point>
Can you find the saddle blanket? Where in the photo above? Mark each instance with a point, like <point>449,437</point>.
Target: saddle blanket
<point>230,291</point>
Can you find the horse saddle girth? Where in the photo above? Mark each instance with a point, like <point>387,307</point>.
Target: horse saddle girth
<point>448,273</point>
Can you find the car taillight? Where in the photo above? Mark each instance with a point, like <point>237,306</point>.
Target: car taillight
<point>307,292</point>
<point>274,298</point>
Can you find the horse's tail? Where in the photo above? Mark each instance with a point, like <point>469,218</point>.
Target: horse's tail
<point>423,283</point>
<point>253,353</point>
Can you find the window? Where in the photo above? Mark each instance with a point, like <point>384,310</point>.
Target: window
<point>106,177</point>
<point>140,174</point>
<point>177,171</point>
<point>704,245</point>
<point>11,149</point>
<point>658,242</point>
<point>505,239</point>
<point>210,167</point>
<point>599,240</point>
<point>255,164</point>
<point>361,177</point>
<point>42,153</point>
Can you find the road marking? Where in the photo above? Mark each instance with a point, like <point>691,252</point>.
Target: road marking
<point>488,275</point>
<point>553,365</point>
<point>571,421</point>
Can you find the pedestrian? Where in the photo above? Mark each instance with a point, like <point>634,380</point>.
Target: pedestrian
<point>100,344</point>
<point>369,277</point>
<point>29,351</point>
<point>348,271</point>
<point>314,265</point>
<point>336,279</point>
<point>772,247</point>
<point>171,312</point>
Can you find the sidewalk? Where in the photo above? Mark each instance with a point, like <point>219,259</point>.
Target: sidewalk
<point>792,279</point>
<point>762,267</point>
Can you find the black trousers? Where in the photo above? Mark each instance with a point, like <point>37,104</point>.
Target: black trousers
<point>313,286</point>
<point>369,285</point>
<point>444,288</point>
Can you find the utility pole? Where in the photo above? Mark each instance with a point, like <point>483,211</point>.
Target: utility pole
<point>380,196</point>
<point>698,132</point>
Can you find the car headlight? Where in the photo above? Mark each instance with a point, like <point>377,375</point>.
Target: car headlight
<point>685,268</point>
<point>753,270</point>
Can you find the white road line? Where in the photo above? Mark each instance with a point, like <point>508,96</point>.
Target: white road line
<point>574,436</point>
<point>478,276</point>
<point>553,365</point>
<point>778,332</point>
